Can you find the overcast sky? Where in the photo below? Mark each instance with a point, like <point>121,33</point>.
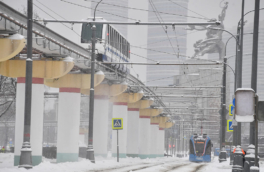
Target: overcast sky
<point>207,8</point>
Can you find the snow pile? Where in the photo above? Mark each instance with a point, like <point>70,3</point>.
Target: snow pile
<point>125,164</point>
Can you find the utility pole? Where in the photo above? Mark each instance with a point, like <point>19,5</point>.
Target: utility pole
<point>239,65</point>
<point>25,157</point>
<point>90,150</point>
<point>254,74</point>
<point>223,121</point>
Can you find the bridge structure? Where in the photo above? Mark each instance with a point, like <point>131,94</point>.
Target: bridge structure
<point>61,63</point>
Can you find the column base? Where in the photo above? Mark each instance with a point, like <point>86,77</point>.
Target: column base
<point>154,155</point>
<point>36,160</point>
<point>121,155</point>
<point>132,155</point>
<point>143,156</point>
<point>67,157</point>
<point>101,154</point>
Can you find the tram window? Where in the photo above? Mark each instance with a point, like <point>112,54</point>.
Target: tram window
<point>86,36</point>
<point>111,37</point>
<point>128,50</point>
<point>108,34</point>
<point>191,147</point>
<point>115,39</point>
<point>120,43</point>
<point>199,147</point>
<point>208,148</point>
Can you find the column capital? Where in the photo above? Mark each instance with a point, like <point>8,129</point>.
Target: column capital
<point>11,46</point>
<point>149,112</point>
<point>128,97</point>
<point>141,104</point>
<point>81,81</point>
<point>107,90</point>
<point>47,68</point>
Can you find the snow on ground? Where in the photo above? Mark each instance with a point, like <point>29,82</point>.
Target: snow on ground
<point>126,164</point>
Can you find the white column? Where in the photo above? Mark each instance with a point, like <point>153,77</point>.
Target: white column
<point>161,143</point>
<point>132,132</point>
<point>120,111</point>
<point>144,136</point>
<point>68,125</point>
<point>154,129</point>
<point>100,130</point>
<point>37,110</point>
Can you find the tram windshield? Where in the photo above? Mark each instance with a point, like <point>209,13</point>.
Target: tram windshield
<point>199,147</point>
<point>87,32</point>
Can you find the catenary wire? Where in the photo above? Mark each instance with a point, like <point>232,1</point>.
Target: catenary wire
<point>188,9</point>
<point>150,10</point>
<point>55,19</point>
<point>98,10</point>
<point>165,30</point>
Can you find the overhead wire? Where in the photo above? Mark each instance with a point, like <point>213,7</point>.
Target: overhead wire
<point>98,10</point>
<point>162,12</point>
<point>54,17</point>
<point>188,9</point>
<point>165,30</point>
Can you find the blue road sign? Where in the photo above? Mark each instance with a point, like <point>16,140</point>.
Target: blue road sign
<point>234,102</point>
<point>117,123</point>
<point>231,109</point>
<point>229,126</point>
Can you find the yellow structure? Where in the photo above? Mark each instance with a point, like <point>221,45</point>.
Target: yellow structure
<point>128,97</point>
<point>107,90</point>
<point>75,80</point>
<point>141,104</point>
<point>149,112</point>
<point>163,122</point>
<point>47,68</point>
<point>11,46</point>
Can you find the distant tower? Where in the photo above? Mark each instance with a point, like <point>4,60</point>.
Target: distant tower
<point>158,41</point>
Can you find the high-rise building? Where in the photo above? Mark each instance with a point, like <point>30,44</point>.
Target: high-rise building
<point>163,45</point>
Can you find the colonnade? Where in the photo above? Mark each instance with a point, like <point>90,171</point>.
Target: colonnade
<point>140,137</point>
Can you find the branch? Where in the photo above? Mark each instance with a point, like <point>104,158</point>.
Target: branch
<point>6,109</point>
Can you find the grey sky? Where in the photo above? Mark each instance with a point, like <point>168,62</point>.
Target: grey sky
<point>208,8</point>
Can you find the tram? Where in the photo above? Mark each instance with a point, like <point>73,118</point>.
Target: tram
<point>111,46</point>
<point>200,148</point>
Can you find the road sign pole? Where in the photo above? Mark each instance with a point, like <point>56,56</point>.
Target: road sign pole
<point>254,67</point>
<point>117,147</point>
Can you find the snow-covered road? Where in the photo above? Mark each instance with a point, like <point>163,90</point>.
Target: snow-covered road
<point>125,165</point>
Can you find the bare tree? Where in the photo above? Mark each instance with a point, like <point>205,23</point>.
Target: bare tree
<point>7,105</point>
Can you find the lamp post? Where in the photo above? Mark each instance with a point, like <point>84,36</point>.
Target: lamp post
<point>26,157</point>
<point>90,150</point>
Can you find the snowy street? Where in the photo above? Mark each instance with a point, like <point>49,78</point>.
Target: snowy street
<point>125,165</point>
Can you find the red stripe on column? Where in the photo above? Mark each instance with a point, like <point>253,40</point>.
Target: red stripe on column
<point>100,97</point>
<point>70,90</point>
<point>133,109</point>
<point>120,103</point>
<point>144,116</point>
<point>34,80</point>
<point>154,123</point>
<point>161,128</point>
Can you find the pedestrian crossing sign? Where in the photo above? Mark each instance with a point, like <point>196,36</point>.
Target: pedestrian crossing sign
<point>229,126</point>
<point>117,123</point>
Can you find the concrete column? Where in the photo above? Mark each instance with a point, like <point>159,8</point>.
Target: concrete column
<point>144,137</point>
<point>132,132</point>
<point>154,129</point>
<point>120,111</point>
<point>100,131</point>
<point>68,124</point>
<point>37,110</point>
<point>161,134</point>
